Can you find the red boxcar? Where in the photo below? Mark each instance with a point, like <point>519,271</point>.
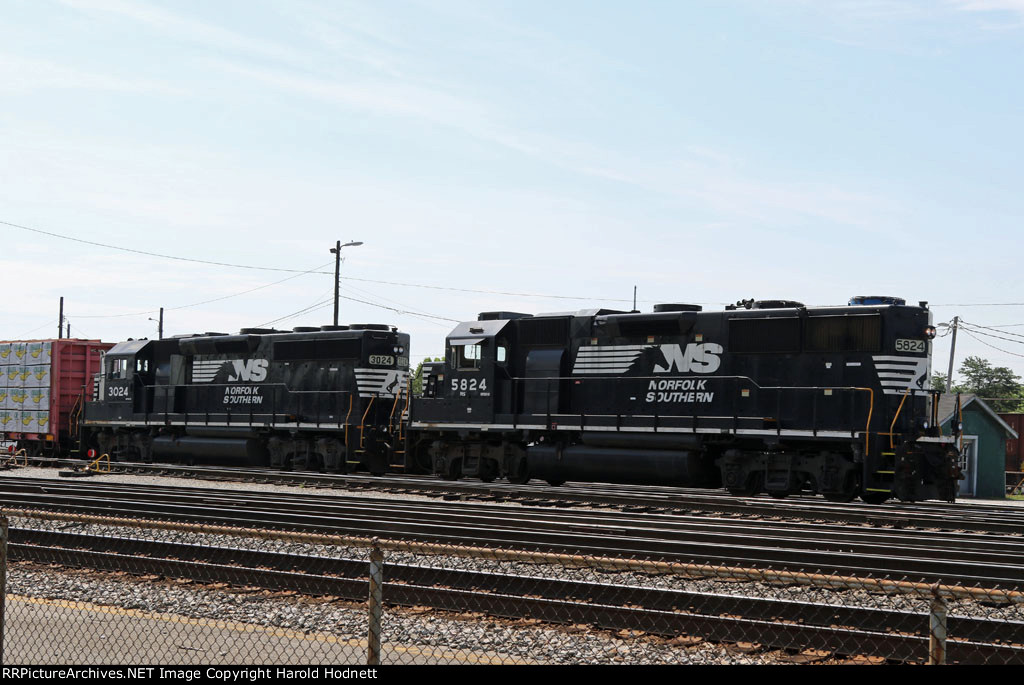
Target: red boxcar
<point>1015,448</point>
<point>44,385</point>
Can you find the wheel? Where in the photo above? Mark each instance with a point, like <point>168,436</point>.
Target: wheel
<point>453,470</point>
<point>751,487</point>
<point>519,473</point>
<point>874,497</point>
<point>851,488</point>
<point>488,471</point>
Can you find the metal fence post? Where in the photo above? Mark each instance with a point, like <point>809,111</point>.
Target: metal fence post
<point>375,604</point>
<point>3,583</point>
<point>937,630</point>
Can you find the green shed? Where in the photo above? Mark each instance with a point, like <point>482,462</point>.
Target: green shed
<point>984,445</point>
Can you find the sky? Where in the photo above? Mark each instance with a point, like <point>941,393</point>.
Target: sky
<point>520,155</point>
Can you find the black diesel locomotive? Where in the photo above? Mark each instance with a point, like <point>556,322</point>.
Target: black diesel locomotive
<point>330,398</point>
<point>765,396</point>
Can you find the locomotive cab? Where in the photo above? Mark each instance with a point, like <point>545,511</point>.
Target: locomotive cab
<point>127,369</point>
<point>474,389</point>
<point>477,364</point>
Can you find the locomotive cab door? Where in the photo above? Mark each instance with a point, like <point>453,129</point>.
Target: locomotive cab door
<point>119,390</point>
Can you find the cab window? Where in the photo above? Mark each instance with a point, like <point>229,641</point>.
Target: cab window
<point>118,369</point>
<point>467,356</point>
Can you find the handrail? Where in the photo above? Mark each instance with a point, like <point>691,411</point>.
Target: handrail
<point>405,410</point>
<point>350,400</point>
<point>394,406</point>
<point>892,427</point>
<point>362,423</point>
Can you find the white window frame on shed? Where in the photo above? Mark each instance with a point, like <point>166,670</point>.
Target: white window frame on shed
<point>968,463</point>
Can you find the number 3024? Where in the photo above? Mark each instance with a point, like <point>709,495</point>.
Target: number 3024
<point>469,384</point>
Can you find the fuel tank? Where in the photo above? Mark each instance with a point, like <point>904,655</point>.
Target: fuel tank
<point>620,465</point>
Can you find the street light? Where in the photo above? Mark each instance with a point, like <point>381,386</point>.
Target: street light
<point>336,250</point>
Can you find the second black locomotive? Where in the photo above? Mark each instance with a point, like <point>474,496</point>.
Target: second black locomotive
<point>766,396</point>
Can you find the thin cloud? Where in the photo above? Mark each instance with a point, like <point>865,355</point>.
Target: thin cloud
<point>184,28</point>
<point>20,74</point>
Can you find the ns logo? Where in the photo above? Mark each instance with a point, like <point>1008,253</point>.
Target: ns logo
<point>249,370</point>
<point>694,358</point>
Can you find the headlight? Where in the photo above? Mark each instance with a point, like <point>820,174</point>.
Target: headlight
<point>929,332</point>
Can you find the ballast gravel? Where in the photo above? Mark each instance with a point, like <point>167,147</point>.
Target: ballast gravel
<point>407,635</point>
<point>449,637</point>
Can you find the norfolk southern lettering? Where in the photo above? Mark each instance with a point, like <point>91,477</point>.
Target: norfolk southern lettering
<point>682,390</point>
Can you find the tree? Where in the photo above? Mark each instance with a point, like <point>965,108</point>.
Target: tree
<point>989,382</point>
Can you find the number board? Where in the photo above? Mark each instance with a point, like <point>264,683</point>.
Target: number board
<point>907,345</point>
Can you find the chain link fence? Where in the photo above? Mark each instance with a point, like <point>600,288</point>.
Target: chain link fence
<point>93,590</point>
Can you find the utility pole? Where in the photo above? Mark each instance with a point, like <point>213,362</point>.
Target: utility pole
<point>337,271</point>
<point>159,324</point>
<point>60,321</point>
<point>952,350</point>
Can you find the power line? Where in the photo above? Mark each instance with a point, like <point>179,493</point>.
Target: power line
<point>978,304</point>
<point>968,332</point>
<point>991,335</point>
<point>329,273</point>
<point>311,307</point>
<point>320,305</point>
<point>196,304</point>
<point>429,318</point>
<point>149,254</point>
<point>990,328</point>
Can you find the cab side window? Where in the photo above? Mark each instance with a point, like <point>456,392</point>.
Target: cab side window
<point>467,356</point>
<point>117,369</point>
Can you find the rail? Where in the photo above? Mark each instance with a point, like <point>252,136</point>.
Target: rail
<point>418,588</point>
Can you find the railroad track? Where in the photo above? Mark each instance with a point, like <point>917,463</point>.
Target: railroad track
<point>774,623</point>
<point>651,499</point>
<point>920,555</point>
